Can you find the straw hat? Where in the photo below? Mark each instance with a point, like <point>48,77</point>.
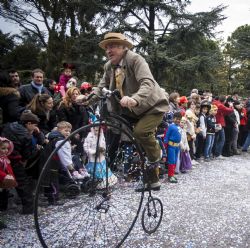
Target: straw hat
<point>115,38</point>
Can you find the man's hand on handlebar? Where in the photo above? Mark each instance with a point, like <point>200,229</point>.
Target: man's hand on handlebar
<point>128,102</point>
<point>82,100</point>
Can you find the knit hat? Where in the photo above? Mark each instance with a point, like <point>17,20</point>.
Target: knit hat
<point>205,103</point>
<point>183,99</point>
<point>28,116</point>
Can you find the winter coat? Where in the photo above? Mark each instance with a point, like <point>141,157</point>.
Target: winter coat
<point>22,140</point>
<point>65,152</point>
<point>222,111</point>
<point>243,116</point>
<point>46,125</point>
<point>191,122</point>
<point>76,115</point>
<point>9,103</point>
<point>63,79</point>
<point>5,167</point>
<point>211,122</point>
<point>90,146</point>
<point>27,92</point>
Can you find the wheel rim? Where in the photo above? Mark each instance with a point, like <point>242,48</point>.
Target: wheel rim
<point>96,218</point>
<point>152,215</point>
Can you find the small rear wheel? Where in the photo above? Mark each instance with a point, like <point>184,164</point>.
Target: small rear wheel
<point>152,215</point>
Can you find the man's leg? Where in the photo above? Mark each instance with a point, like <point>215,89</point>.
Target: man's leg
<point>144,132</point>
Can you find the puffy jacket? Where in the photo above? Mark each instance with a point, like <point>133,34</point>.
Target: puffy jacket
<point>22,140</point>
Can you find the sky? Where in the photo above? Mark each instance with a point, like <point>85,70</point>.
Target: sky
<point>237,13</point>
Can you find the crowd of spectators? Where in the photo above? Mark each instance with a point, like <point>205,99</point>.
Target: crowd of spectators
<point>212,127</point>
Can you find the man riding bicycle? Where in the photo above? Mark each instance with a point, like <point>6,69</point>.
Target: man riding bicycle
<point>142,99</point>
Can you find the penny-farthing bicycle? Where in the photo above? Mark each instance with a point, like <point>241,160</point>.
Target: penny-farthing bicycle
<point>95,216</point>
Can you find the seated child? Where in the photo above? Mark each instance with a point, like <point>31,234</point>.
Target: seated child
<point>98,171</point>
<point>7,178</point>
<point>61,163</point>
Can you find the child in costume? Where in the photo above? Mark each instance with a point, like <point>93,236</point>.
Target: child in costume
<point>172,139</point>
<point>66,75</point>
<point>98,170</point>
<point>184,158</point>
<point>7,178</point>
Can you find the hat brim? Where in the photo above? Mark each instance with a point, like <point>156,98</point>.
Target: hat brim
<point>104,43</point>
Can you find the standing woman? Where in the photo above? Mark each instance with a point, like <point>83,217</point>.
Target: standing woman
<point>42,106</point>
<point>75,114</point>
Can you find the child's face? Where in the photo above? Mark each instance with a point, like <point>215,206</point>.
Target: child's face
<point>96,130</point>
<point>213,112</point>
<point>182,123</point>
<point>204,110</point>
<point>197,111</point>
<point>192,106</point>
<point>67,72</point>
<point>177,121</point>
<point>65,131</point>
<point>4,148</point>
<point>31,127</point>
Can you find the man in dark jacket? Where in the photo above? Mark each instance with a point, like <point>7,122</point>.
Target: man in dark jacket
<point>28,91</point>
<point>22,134</point>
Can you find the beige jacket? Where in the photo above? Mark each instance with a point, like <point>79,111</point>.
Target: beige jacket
<point>137,83</point>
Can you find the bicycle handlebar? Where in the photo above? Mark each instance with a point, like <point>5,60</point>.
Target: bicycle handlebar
<point>108,93</point>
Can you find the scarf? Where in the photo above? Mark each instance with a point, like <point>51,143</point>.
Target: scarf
<point>38,87</point>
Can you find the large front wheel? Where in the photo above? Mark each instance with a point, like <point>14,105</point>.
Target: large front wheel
<point>102,209</point>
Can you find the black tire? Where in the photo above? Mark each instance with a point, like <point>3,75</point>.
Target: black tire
<point>96,217</point>
<point>152,215</point>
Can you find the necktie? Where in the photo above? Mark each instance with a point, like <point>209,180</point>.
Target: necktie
<point>118,79</point>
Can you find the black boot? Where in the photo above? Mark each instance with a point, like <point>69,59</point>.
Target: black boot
<point>151,178</point>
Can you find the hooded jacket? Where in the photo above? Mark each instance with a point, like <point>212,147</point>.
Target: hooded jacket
<point>22,140</point>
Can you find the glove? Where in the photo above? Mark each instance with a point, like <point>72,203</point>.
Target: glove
<point>8,182</point>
